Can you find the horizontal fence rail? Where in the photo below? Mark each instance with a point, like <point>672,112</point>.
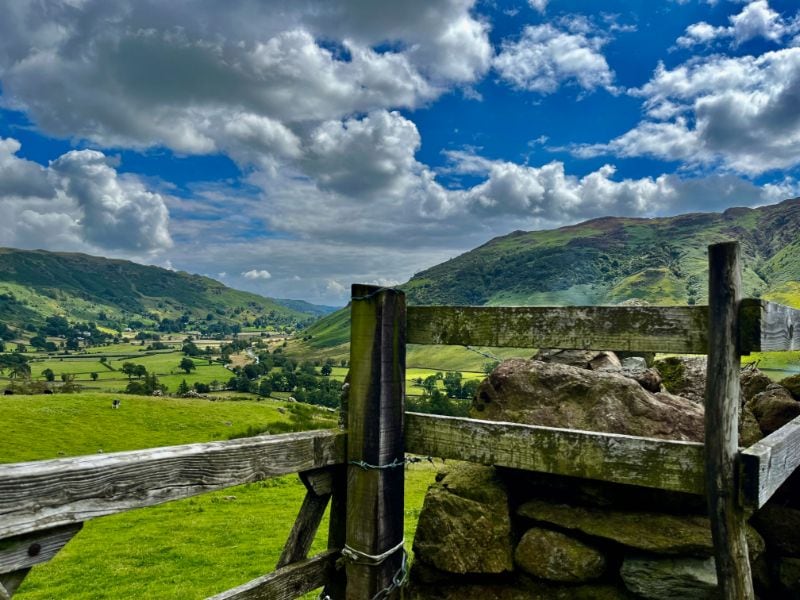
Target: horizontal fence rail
<point>767,464</point>
<point>675,329</point>
<point>288,582</point>
<point>767,326</point>
<point>648,462</point>
<point>45,494</point>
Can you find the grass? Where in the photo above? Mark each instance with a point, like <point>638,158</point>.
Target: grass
<point>185,549</point>
<point>110,378</point>
<point>776,365</point>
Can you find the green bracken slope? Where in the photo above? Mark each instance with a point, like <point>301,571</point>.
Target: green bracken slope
<point>609,260</point>
<point>37,284</point>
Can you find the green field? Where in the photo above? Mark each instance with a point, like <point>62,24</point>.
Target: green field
<point>180,550</point>
<point>164,363</point>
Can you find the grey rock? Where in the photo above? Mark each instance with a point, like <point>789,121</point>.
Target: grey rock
<point>634,363</point>
<point>668,578</point>
<point>648,531</point>
<point>684,376</point>
<point>555,556</point>
<point>558,395</point>
<point>464,525</point>
<point>773,408</point>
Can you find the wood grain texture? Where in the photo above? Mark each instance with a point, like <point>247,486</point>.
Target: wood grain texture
<point>304,529</point>
<point>25,551</point>
<point>375,436</point>
<point>337,529</point>
<point>727,517</point>
<point>289,582</point>
<point>9,582</point>
<point>319,481</point>
<point>45,494</point>
<point>767,464</point>
<point>648,462</point>
<point>767,326</point>
<point>679,329</point>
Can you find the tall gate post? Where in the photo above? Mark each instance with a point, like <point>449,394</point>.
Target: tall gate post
<point>727,516</point>
<point>375,448</point>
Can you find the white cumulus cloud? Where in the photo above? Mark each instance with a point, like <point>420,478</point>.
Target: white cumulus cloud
<point>756,20</point>
<point>256,274</point>
<point>545,57</point>
<point>78,202</point>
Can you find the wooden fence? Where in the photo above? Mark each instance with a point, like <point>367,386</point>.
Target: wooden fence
<point>359,470</point>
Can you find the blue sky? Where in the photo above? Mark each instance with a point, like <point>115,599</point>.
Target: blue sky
<point>294,148</point>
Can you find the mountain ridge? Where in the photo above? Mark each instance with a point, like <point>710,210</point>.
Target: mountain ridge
<point>35,284</point>
<point>608,260</point>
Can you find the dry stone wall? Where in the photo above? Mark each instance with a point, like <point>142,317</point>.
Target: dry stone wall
<point>501,534</point>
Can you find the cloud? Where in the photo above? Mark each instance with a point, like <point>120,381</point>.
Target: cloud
<point>739,113</point>
<point>756,20</point>
<point>256,274</point>
<point>538,5</point>
<point>147,73</point>
<point>79,202</point>
<point>545,57</point>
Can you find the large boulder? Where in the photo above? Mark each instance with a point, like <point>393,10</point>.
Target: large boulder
<point>670,578</point>
<point>552,555</point>
<point>684,376</point>
<point>773,408</point>
<point>464,525</point>
<point>558,395</point>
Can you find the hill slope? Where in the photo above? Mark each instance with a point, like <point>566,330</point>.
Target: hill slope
<point>37,284</point>
<point>607,261</point>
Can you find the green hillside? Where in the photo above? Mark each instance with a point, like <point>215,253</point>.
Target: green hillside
<point>37,284</point>
<point>604,261</point>
<point>609,260</point>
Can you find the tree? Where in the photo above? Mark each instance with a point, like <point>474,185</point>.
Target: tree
<point>326,370</point>
<point>129,369</point>
<point>264,387</point>
<point>94,376</point>
<point>187,364</point>
<point>49,375</point>
<point>20,369</point>
<point>140,371</point>
<point>183,388</point>
<point>490,366</point>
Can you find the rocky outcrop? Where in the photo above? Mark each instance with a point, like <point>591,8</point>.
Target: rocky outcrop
<point>559,395</point>
<point>497,533</point>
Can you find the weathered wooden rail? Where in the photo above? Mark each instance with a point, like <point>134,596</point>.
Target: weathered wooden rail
<point>43,503</point>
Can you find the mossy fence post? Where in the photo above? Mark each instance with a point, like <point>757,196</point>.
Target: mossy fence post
<point>375,426</point>
<point>728,521</point>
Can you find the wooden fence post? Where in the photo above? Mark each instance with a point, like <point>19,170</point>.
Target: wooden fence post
<point>375,439</point>
<point>727,516</point>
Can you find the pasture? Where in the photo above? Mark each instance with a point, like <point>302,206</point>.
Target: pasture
<point>185,549</point>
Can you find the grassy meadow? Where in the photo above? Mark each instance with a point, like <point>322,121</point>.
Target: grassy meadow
<point>185,549</point>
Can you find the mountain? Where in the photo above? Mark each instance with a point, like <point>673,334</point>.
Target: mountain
<point>37,284</point>
<point>610,260</point>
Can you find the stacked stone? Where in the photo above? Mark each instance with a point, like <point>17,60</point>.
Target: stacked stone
<point>500,534</point>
